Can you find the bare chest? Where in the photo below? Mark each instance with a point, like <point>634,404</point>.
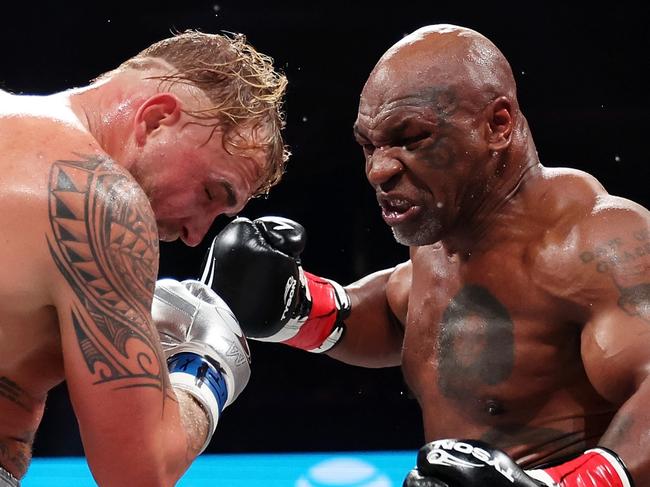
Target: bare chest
<point>482,337</point>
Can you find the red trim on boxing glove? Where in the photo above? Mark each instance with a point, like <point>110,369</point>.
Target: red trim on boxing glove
<point>323,316</point>
<point>594,468</point>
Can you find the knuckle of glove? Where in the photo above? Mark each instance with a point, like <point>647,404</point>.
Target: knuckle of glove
<point>283,234</point>
<point>233,242</point>
<point>415,479</point>
<point>245,265</point>
<point>172,311</point>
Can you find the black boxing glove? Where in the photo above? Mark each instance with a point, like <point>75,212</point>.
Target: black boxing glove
<point>471,463</point>
<point>415,479</point>
<point>255,267</point>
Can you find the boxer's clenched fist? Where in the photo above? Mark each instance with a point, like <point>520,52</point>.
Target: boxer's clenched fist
<point>206,351</point>
<point>471,463</point>
<point>255,267</point>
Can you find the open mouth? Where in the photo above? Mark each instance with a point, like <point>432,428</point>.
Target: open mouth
<point>397,210</point>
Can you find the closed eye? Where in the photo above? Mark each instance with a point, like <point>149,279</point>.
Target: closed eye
<point>231,195</point>
<point>410,142</point>
<point>224,192</point>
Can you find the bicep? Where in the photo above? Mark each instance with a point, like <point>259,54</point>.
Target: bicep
<point>615,271</point>
<point>615,348</point>
<point>103,242</point>
<point>374,334</point>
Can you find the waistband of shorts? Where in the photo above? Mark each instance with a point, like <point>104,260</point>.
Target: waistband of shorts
<point>7,480</point>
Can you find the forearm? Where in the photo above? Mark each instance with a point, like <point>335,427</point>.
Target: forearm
<point>169,450</point>
<point>378,348</point>
<point>628,435</point>
<point>255,267</point>
<point>373,337</point>
<point>139,444</point>
<point>183,431</point>
<point>195,422</point>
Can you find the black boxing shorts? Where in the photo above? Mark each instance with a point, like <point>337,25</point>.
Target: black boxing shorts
<point>8,480</point>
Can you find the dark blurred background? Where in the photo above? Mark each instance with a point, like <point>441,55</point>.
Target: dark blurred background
<point>582,78</point>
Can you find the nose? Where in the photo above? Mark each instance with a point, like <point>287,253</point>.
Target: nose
<point>195,229</point>
<point>382,167</point>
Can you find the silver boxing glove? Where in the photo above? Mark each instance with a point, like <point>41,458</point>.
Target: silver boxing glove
<point>207,354</point>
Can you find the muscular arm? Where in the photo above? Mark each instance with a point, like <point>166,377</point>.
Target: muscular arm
<point>615,342</point>
<point>259,261</point>
<point>374,335</point>
<point>103,240</point>
<point>617,363</point>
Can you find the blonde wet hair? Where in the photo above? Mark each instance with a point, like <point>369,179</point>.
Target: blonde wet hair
<point>245,90</point>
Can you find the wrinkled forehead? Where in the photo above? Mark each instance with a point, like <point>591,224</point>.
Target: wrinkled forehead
<point>397,82</point>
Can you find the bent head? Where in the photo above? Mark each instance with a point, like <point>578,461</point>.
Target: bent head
<point>206,134</point>
<point>435,119</point>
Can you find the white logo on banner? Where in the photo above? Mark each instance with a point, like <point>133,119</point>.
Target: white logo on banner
<point>342,472</point>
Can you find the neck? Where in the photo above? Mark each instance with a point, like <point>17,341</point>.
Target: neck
<point>485,213</point>
<point>106,109</point>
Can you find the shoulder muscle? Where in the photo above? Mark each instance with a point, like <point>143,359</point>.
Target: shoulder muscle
<point>604,251</point>
<point>103,240</point>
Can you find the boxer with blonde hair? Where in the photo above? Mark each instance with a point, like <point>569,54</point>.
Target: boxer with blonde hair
<point>91,179</point>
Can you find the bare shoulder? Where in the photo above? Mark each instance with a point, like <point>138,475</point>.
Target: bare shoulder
<point>67,204</point>
<point>567,188</point>
<point>398,289</point>
<point>593,240</point>
<point>29,146</point>
<point>101,225</point>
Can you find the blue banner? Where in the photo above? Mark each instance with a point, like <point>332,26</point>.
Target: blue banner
<point>348,469</point>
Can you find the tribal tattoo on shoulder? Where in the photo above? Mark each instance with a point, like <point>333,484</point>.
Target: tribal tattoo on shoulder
<point>105,243</point>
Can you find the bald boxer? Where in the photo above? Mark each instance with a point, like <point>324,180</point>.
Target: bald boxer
<point>521,320</point>
<point>91,179</point>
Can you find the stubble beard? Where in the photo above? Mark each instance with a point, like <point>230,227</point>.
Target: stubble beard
<point>424,232</point>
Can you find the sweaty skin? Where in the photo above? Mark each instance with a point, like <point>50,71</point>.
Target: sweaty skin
<point>522,316</point>
<point>91,179</point>
<point>79,260</point>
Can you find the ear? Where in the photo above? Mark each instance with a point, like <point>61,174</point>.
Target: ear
<point>158,110</point>
<point>499,123</point>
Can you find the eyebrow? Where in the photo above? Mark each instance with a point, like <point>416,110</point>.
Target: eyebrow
<point>391,132</point>
<point>231,195</point>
